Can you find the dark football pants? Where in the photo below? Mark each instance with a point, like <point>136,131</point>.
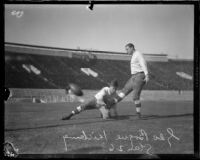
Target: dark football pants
<point>92,104</point>
<point>135,84</point>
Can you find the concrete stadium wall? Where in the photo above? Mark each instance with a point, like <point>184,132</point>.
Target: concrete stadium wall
<point>70,52</point>
<point>58,95</point>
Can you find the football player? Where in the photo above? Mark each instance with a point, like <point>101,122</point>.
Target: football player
<point>98,102</point>
<point>139,77</point>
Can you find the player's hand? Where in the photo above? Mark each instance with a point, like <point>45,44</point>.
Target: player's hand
<point>146,78</point>
<point>109,101</point>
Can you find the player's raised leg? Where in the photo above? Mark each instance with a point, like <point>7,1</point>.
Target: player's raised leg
<point>110,101</point>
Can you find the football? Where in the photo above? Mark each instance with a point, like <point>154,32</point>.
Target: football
<point>75,89</point>
<point>108,100</point>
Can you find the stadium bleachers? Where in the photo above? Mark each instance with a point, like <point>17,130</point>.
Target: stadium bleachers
<point>57,72</point>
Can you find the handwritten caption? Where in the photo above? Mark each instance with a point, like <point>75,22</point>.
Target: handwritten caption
<point>140,142</point>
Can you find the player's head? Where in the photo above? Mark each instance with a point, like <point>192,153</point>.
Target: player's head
<point>130,48</point>
<point>113,86</point>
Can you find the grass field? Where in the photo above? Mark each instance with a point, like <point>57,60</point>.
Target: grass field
<point>166,128</point>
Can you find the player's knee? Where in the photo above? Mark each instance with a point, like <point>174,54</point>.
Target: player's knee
<point>104,112</point>
<point>79,108</point>
<point>106,116</point>
<point>137,101</point>
<point>121,95</point>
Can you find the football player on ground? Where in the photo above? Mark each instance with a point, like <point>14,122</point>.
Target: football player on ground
<point>97,102</point>
<point>139,76</point>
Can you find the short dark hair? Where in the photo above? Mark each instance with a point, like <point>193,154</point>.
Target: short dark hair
<point>130,45</point>
<point>114,83</point>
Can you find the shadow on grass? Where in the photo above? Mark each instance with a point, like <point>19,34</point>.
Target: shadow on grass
<point>96,120</point>
<point>147,117</point>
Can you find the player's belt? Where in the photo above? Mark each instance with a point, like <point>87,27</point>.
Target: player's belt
<point>138,73</point>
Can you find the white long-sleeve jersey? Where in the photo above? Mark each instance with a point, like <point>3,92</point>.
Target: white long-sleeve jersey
<point>138,63</point>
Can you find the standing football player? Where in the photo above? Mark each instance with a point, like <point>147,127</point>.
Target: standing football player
<point>139,76</point>
<point>98,102</point>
